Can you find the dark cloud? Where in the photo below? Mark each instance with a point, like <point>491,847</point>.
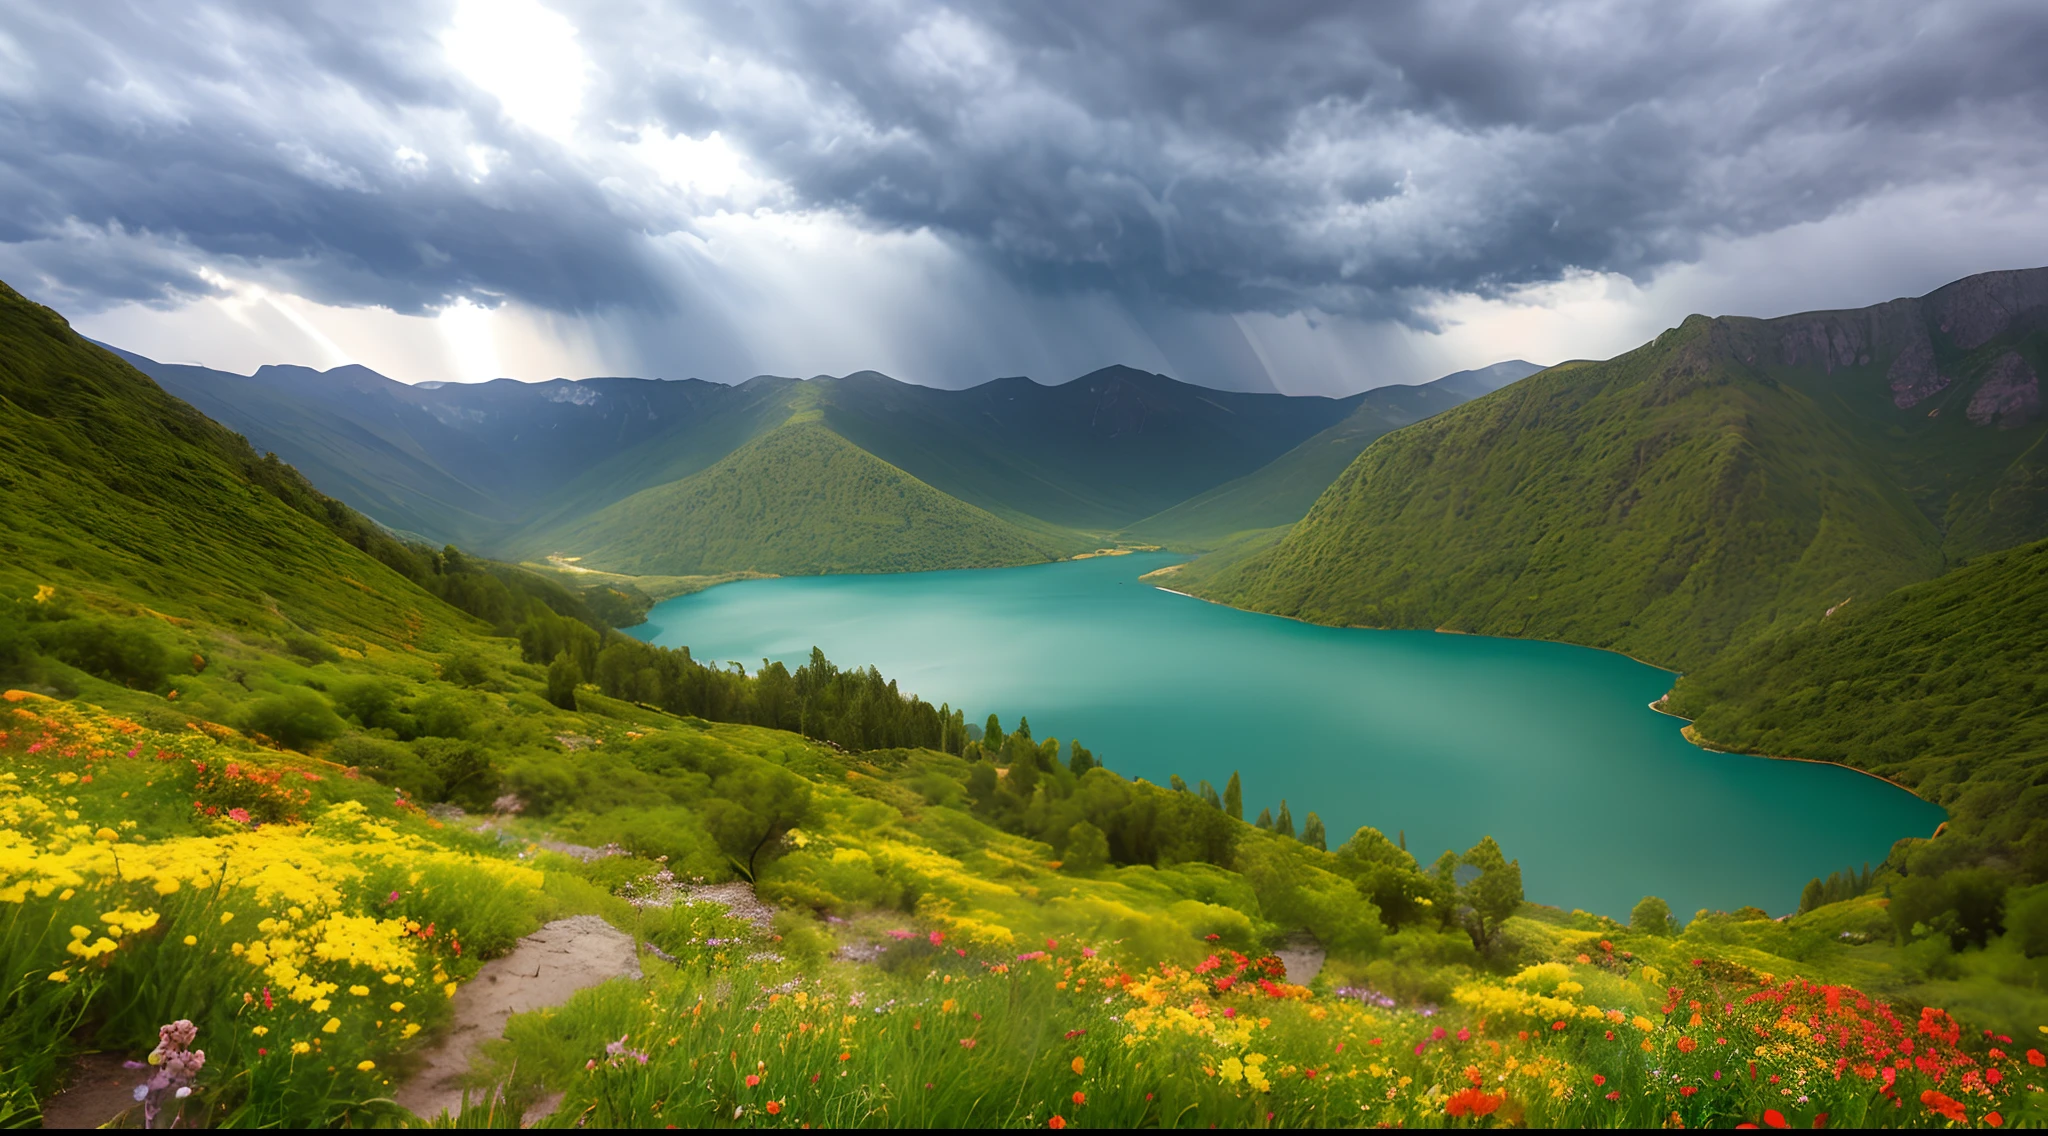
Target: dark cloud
<point>1256,157</point>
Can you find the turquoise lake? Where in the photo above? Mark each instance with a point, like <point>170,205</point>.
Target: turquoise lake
<point>1549,748</point>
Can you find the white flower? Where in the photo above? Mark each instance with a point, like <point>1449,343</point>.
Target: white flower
<point>141,1091</point>
<point>184,1091</point>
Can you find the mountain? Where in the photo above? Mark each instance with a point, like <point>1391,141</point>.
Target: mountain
<point>1733,476</point>
<point>798,500</point>
<point>504,466</point>
<point>114,488</point>
<point>1938,685</point>
<point>1281,492</point>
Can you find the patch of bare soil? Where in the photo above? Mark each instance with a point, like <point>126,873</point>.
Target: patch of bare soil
<point>542,971</point>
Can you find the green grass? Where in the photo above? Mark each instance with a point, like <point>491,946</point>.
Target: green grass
<point>798,500</point>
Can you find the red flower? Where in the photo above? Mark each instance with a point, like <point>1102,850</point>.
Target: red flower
<point>1614,1096</point>
<point>1993,1120</point>
<point>1947,1106</point>
<point>1688,1090</point>
<point>1775,1119</point>
<point>2034,1057</point>
<point>1473,1102</point>
<point>774,1107</point>
<point>1057,1122</point>
<point>1598,1080</point>
<point>752,1080</point>
<point>1080,1097</point>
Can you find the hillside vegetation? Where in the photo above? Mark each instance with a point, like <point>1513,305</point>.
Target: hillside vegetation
<point>800,499</point>
<point>1281,492</point>
<point>1726,480</point>
<point>1939,686</point>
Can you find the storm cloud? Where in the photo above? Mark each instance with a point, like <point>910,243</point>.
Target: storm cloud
<point>1272,160</point>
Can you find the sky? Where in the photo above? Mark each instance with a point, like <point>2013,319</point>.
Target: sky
<point>1303,197</point>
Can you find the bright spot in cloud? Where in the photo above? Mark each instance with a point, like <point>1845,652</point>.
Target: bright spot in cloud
<point>525,55</point>
<point>707,165</point>
<point>472,341</point>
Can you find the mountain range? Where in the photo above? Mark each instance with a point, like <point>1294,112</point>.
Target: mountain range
<point>849,473</point>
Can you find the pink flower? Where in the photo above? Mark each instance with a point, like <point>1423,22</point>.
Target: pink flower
<point>239,816</point>
<point>1087,952</point>
<point>938,937</point>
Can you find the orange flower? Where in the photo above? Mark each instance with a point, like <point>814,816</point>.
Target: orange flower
<point>1993,1120</point>
<point>1687,1045</point>
<point>1946,1105</point>
<point>1775,1119</point>
<point>1473,1102</point>
<point>1057,1122</point>
<point>2034,1057</point>
<point>752,1080</point>
<point>774,1108</point>
<point>1080,1097</point>
<point>1080,1065</point>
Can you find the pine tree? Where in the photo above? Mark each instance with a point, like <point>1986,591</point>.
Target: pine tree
<point>1265,820</point>
<point>1207,792</point>
<point>1233,797</point>
<point>1079,760</point>
<point>992,735</point>
<point>1284,824</point>
<point>1312,833</point>
<point>1178,785</point>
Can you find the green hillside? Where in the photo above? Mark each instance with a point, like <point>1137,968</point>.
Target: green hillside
<point>798,500</point>
<point>1733,476</point>
<point>1941,686</point>
<point>1281,492</point>
<point>107,484</point>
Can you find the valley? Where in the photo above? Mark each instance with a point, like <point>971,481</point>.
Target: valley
<point>294,744</point>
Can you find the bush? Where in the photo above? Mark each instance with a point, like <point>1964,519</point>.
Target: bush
<point>2026,920</point>
<point>295,717</point>
<point>1087,848</point>
<point>1652,917</point>
<point>126,655</point>
<point>310,648</point>
<point>465,669</point>
<point>462,771</point>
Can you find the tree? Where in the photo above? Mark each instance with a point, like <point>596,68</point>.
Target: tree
<point>1178,785</point>
<point>1207,792</point>
<point>1087,848</point>
<point>1079,760</point>
<point>1810,896</point>
<point>1265,820</point>
<point>1312,833</point>
<point>1652,917</point>
<point>564,676</point>
<point>1487,899</point>
<point>1284,823</point>
<point>992,735</point>
<point>751,809</point>
<point>1233,798</point>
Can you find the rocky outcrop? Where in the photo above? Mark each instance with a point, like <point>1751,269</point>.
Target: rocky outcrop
<point>1976,309</point>
<point>1913,376</point>
<point>2009,396</point>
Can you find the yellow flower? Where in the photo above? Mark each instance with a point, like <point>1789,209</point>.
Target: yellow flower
<point>359,991</point>
<point>225,916</point>
<point>301,1048</point>
<point>397,1007</point>
<point>1232,1070</point>
<point>411,1028</point>
<point>60,976</point>
<point>106,835</point>
<point>260,1031</point>
<point>191,940</point>
<point>393,979</point>
<point>333,1025</point>
<point>365,1066</point>
<point>167,885</point>
<point>449,990</point>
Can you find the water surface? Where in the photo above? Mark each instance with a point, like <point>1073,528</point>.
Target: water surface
<point>1549,748</point>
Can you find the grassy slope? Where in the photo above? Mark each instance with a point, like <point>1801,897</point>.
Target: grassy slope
<point>1281,492</point>
<point>1666,503</point>
<point>1939,685</point>
<point>108,482</point>
<point>798,500</point>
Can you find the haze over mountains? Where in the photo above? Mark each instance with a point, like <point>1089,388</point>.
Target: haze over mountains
<point>867,473</point>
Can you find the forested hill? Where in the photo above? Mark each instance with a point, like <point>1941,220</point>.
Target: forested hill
<point>489,465</point>
<point>1733,476</point>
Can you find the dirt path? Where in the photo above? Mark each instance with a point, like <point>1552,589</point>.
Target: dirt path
<point>1304,956</point>
<point>543,970</point>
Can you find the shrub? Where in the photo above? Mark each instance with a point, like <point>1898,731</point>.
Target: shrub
<point>295,717</point>
<point>1087,848</point>
<point>310,648</point>
<point>1651,917</point>
<point>126,655</point>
